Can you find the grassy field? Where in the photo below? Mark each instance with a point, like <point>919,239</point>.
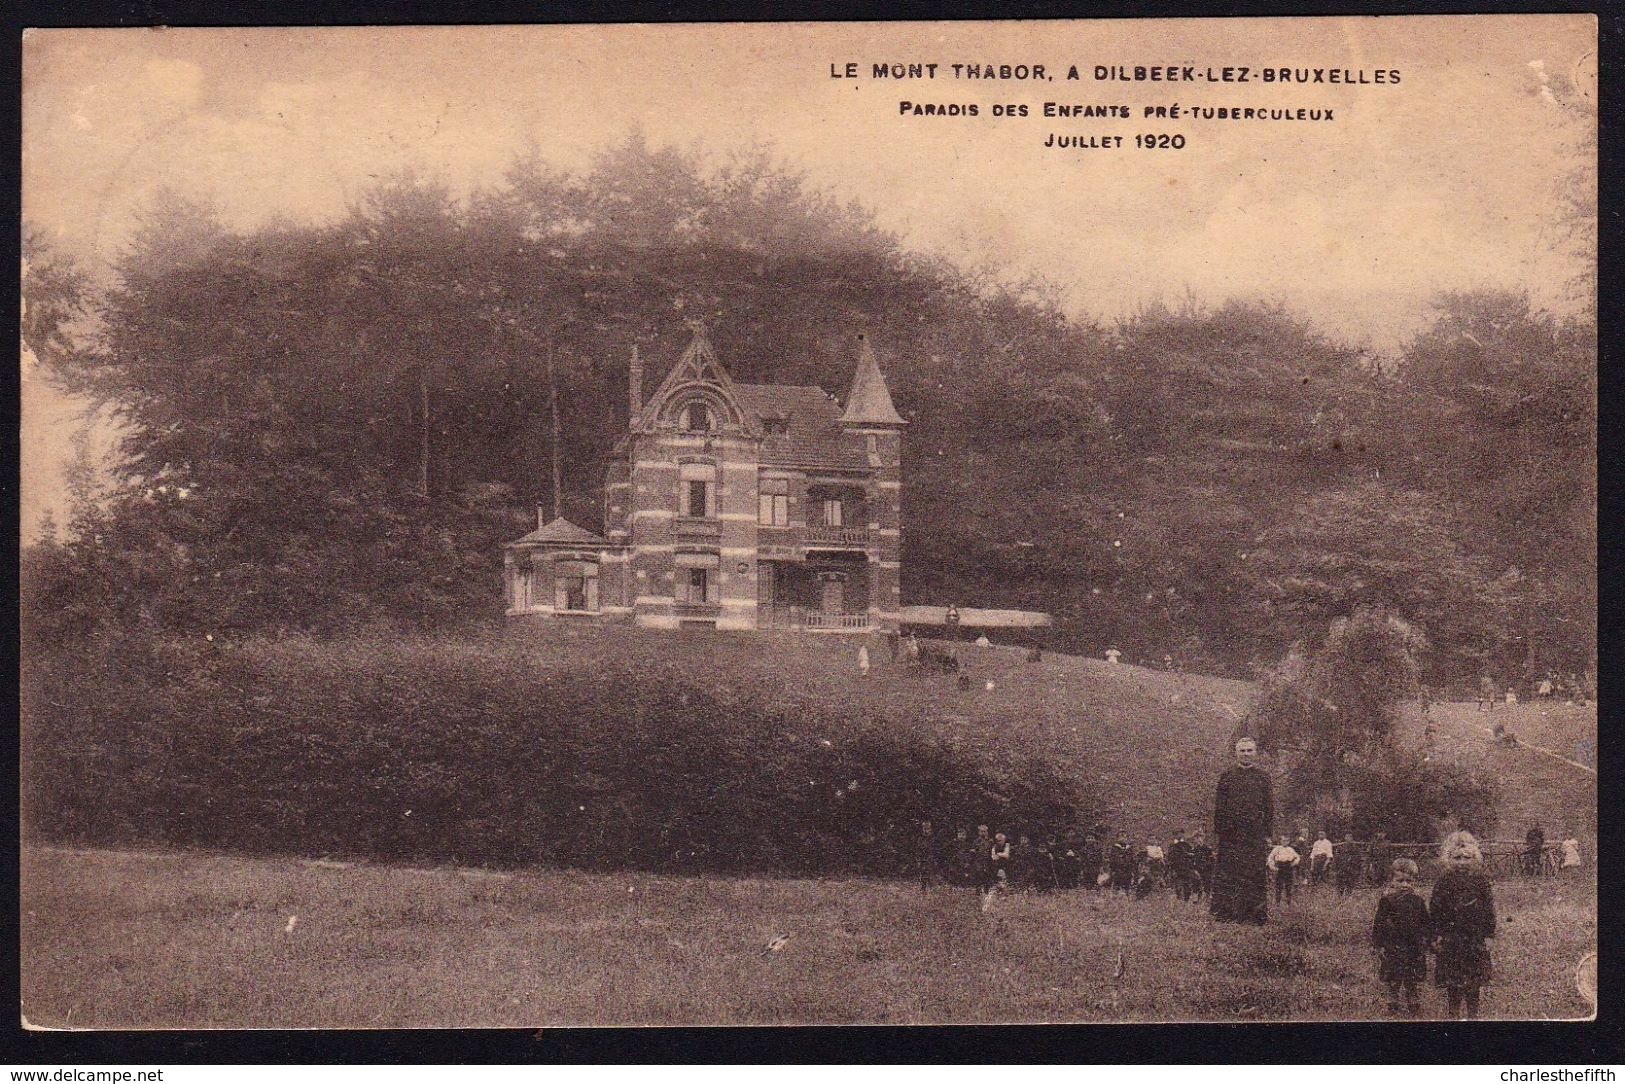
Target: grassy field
<point>140,940</point>
<point>1532,788</point>
<point>1116,725</point>
<point>154,939</point>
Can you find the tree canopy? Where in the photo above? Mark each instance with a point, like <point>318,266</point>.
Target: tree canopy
<point>329,423</point>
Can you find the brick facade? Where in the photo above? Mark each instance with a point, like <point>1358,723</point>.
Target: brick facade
<point>733,506</point>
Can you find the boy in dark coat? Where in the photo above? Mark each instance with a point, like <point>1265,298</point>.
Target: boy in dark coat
<point>1092,859</point>
<point>1400,934</point>
<point>1462,917</point>
<point>1378,856</point>
<point>979,859</point>
<point>925,856</point>
<point>1068,862</point>
<point>1201,865</point>
<point>1181,865</point>
<point>1347,862</point>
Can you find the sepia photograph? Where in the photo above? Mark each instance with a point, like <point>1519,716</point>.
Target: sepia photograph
<point>777,524</point>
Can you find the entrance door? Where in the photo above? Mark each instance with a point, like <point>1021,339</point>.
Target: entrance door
<point>834,595</point>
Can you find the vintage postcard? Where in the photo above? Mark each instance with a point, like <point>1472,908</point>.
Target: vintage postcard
<point>910,523</point>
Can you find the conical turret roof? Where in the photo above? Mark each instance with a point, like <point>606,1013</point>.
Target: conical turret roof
<point>867,401</point>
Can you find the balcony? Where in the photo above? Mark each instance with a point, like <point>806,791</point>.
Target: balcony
<point>698,529</point>
<point>845,537</point>
<point>813,619</point>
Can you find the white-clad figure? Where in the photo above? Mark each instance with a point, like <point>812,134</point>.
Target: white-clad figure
<point>1112,654</point>
<point>863,660</point>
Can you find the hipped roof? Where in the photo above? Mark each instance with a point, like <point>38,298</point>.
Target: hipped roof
<point>561,532</point>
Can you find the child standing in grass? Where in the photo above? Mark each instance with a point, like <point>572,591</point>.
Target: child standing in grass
<point>1400,934</point>
<point>1347,861</point>
<point>1283,860</point>
<point>1462,916</point>
<point>1201,865</point>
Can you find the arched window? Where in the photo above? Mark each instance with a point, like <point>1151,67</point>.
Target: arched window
<point>697,418</point>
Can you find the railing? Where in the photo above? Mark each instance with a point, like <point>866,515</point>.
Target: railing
<point>697,527</point>
<point>846,536</point>
<point>817,620</point>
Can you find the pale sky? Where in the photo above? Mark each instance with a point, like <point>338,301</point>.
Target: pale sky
<point>1443,181</point>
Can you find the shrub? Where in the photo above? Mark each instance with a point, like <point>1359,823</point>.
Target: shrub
<point>1335,707</point>
<point>403,750</point>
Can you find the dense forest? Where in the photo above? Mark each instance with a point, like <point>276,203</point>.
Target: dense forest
<point>329,425</point>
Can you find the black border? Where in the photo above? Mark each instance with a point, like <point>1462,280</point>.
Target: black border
<point>1508,1044</point>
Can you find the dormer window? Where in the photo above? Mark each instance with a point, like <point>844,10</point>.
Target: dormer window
<point>776,425</point>
<point>697,418</point>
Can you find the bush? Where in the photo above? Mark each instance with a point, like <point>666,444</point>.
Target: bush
<point>427,750</point>
<point>1335,708</point>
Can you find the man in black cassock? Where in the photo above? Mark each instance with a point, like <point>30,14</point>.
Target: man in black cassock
<point>1243,819</point>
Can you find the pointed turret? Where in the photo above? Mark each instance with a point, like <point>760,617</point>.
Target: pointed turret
<point>867,401</point>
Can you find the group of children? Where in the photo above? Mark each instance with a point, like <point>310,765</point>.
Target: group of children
<point>1453,925</point>
<point>991,862</point>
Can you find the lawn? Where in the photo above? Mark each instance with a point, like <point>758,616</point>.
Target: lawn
<point>1149,743</point>
<point>157,938</point>
<point>142,940</point>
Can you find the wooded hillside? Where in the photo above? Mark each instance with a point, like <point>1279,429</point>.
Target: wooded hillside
<point>335,423</point>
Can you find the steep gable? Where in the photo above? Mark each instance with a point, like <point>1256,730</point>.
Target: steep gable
<point>697,374</point>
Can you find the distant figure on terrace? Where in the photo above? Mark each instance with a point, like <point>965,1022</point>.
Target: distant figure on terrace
<point>1486,694</point>
<point>1243,822</point>
<point>1112,655</point>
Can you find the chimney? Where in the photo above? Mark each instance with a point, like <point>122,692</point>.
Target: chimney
<point>635,389</point>
<point>541,516</point>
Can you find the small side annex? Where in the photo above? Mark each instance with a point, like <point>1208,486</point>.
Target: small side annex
<point>733,506</point>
